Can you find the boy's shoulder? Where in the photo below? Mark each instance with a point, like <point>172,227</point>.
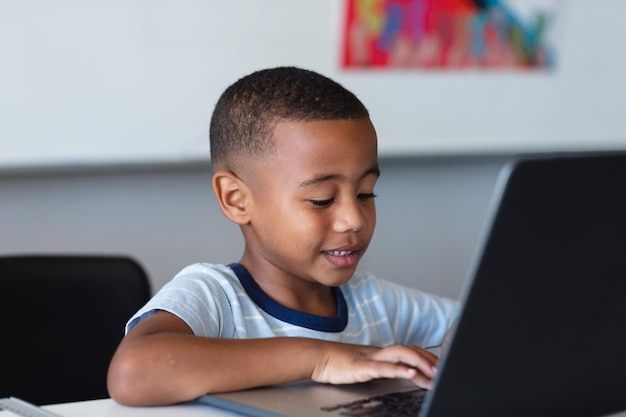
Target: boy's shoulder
<point>194,288</point>
<point>205,270</point>
<point>364,286</point>
<point>204,280</point>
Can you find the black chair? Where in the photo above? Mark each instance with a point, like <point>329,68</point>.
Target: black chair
<point>62,319</point>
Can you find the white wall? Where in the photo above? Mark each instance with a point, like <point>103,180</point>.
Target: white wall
<point>118,81</point>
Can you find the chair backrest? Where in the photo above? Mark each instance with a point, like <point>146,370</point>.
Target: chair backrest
<point>62,319</point>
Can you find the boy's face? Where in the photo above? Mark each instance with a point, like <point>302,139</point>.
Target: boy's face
<point>311,203</point>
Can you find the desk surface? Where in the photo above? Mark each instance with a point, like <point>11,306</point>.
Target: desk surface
<point>109,408</point>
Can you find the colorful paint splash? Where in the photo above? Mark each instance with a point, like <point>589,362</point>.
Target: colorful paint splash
<point>446,34</point>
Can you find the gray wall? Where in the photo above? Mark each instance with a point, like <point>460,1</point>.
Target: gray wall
<point>431,212</point>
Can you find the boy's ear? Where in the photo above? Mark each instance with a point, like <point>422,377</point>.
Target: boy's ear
<point>231,194</point>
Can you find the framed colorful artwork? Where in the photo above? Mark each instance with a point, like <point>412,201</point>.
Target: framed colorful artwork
<point>448,34</point>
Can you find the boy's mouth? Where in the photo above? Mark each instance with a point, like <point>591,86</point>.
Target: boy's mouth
<point>342,258</point>
<point>339,252</point>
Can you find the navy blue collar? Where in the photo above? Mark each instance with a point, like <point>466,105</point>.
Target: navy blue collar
<point>298,318</point>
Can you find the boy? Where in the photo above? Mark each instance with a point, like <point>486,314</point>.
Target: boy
<point>295,163</point>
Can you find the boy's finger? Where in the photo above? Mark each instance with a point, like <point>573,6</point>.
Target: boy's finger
<point>398,371</point>
<point>414,357</point>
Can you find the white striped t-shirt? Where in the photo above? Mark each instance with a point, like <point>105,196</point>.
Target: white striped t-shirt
<point>216,301</point>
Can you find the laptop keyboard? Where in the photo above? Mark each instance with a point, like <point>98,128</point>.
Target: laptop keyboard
<point>396,404</point>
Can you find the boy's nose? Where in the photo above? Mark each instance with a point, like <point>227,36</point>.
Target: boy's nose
<point>350,217</point>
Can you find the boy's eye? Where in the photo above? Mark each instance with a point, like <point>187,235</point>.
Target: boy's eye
<point>366,196</point>
<point>328,202</point>
<point>322,203</point>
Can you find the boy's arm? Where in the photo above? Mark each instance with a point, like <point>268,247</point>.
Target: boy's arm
<point>160,361</point>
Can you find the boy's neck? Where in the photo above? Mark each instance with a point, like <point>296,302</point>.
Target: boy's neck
<point>293,292</point>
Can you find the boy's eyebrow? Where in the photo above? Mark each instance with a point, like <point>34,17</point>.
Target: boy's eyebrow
<point>327,177</point>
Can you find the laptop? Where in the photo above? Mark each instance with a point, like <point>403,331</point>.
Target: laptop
<point>542,331</point>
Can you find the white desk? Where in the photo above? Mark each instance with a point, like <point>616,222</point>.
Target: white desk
<point>109,408</point>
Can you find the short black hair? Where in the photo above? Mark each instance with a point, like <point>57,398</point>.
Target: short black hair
<point>245,115</point>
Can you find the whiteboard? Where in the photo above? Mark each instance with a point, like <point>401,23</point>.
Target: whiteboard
<point>129,82</point>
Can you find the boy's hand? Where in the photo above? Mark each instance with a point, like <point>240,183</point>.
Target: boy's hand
<point>345,364</point>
